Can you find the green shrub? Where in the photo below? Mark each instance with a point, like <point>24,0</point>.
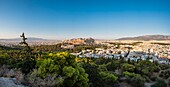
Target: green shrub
<point>102,67</point>
<point>165,74</point>
<point>135,80</point>
<point>112,66</point>
<point>159,83</point>
<point>146,68</point>
<point>147,79</point>
<point>62,68</point>
<point>127,67</point>
<point>108,78</point>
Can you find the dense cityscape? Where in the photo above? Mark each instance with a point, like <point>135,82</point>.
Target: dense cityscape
<point>141,50</point>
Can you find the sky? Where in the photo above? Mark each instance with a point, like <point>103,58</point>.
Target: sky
<point>100,19</point>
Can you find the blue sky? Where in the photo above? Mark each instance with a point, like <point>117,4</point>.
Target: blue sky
<point>65,19</point>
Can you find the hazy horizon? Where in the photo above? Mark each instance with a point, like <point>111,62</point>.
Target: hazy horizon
<point>99,19</point>
<point>79,37</point>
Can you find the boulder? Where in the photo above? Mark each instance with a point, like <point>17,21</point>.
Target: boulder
<point>9,82</point>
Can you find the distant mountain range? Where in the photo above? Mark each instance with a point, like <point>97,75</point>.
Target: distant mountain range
<point>147,37</point>
<point>144,37</point>
<point>29,39</point>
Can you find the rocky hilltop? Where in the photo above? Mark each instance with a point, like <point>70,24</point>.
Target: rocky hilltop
<point>80,41</point>
<point>147,37</point>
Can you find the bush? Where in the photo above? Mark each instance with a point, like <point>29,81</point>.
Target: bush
<point>108,78</point>
<point>129,75</point>
<point>112,66</point>
<point>157,69</point>
<point>159,83</point>
<point>146,78</point>
<point>153,78</point>
<point>27,66</point>
<point>102,67</point>
<point>47,67</point>
<point>165,74</point>
<point>100,61</point>
<point>164,66</point>
<point>161,74</point>
<point>128,67</point>
<point>146,68</point>
<point>135,80</point>
<point>61,70</point>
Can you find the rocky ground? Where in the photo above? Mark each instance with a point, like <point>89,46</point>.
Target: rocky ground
<point>10,77</point>
<point>10,82</point>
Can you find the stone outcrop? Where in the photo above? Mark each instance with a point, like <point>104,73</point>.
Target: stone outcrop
<point>11,77</point>
<point>9,82</point>
<point>80,41</point>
